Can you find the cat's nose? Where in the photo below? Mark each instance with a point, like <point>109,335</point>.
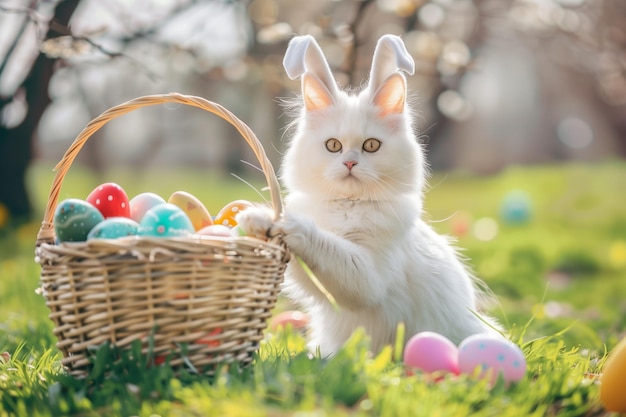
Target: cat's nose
<point>350,164</point>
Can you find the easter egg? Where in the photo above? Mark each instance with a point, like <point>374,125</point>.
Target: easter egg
<point>113,228</point>
<point>226,215</point>
<point>237,231</point>
<point>195,210</point>
<point>516,208</point>
<point>485,229</point>
<point>165,220</point>
<point>617,254</point>
<point>74,218</point>
<point>431,352</point>
<point>295,319</point>
<point>491,356</point>
<point>211,339</point>
<point>143,202</point>
<point>215,230</point>
<point>612,379</point>
<point>461,224</point>
<point>110,199</point>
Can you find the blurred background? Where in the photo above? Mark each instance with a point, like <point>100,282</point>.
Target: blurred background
<point>498,82</point>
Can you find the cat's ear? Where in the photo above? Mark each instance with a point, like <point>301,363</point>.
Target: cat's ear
<point>391,96</point>
<point>305,58</point>
<point>316,96</point>
<point>390,57</point>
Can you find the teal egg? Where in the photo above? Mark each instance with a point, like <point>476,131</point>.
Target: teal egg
<point>113,228</point>
<point>516,208</point>
<point>165,220</point>
<point>74,219</point>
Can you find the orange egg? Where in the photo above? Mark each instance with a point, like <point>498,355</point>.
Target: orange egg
<point>227,214</point>
<point>612,380</point>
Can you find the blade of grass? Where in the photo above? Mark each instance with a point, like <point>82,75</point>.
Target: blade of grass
<point>317,283</point>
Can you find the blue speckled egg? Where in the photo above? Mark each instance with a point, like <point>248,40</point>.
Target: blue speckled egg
<point>74,218</point>
<point>165,220</point>
<point>113,228</point>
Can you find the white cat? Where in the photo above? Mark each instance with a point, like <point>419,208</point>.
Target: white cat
<point>354,172</point>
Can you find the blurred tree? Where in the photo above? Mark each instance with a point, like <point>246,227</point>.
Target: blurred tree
<point>32,96</point>
<point>30,61</point>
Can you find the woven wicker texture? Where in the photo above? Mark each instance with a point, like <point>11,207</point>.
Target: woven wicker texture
<point>202,299</point>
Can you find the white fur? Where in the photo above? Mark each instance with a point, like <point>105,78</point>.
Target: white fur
<point>361,230</point>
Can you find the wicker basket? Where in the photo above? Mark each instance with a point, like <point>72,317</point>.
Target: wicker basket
<point>202,300</point>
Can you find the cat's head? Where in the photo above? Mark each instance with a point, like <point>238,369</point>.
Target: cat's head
<point>357,146</point>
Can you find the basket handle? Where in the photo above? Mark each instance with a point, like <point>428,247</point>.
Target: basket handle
<point>46,232</point>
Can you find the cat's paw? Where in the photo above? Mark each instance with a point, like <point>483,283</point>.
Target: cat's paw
<point>296,229</point>
<point>256,222</point>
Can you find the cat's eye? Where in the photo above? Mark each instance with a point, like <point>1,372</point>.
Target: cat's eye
<point>333,145</point>
<point>371,145</point>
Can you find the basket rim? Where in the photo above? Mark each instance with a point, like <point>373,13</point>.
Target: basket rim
<point>46,232</point>
<point>137,243</point>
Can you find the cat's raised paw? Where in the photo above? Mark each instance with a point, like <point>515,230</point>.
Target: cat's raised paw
<point>256,222</point>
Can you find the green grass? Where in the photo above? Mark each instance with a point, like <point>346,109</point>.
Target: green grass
<point>559,281</point>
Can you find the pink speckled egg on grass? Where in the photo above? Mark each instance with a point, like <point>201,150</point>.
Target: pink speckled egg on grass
<point>489,356</point>
<point>431,352</point>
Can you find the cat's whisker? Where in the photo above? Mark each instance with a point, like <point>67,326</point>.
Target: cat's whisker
<point>256,190</point>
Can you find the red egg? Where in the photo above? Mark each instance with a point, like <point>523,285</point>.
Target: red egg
<point>212,339</point>
<point>111,200</point>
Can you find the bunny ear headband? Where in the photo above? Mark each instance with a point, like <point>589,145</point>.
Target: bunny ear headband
<point>304,56</point>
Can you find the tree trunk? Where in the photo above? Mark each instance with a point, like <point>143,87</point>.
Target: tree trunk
<point>16,143</point>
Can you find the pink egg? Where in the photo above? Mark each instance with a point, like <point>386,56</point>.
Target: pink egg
<point>296,319</point>
<point>215,230</point>
<point>110,199</point>
<point>431,352</point>
<point>489,356</point>
<point>141,203</point>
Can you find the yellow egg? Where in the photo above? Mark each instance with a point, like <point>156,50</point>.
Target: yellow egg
<point>195,210</point>
<point>617,254</point>
<point>612,380</point>
<point>226,216</point>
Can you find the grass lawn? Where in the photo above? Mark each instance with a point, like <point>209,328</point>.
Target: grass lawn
<point>559,277</point>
